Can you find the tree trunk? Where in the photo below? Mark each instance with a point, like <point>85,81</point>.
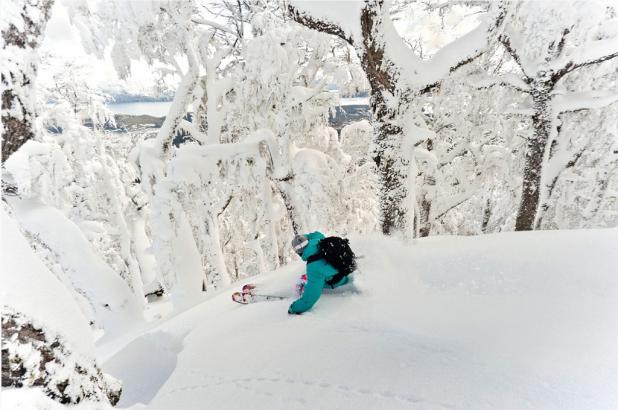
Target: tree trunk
<point>392,167</point>
<point>425,224</point>
<point>18,100</point>
<point>216,254</point>
<point>534,157</point>
<point>392,170</point>
<point>486,216</point>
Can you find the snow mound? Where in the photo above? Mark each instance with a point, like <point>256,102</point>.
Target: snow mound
<point>90,279</point>
<point>509,321</point>
<point>27,286</point>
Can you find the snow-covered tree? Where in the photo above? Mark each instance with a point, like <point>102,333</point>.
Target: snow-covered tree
<point>66,83</point>
<point>395,74</point>
<point>21,31</point>
<point>548,44</point>
<point>470,166</point>
<point>72,170</point>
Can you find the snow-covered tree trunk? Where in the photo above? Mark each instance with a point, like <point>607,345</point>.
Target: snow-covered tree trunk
<point>540,81</point>
<point>20,41</point>
<point>394,80</point>
<point>215,253</point>
<point>387,133</point>
<point>179,105</point>
<point>534,156</point>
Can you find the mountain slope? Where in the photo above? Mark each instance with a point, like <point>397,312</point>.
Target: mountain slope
<point>509,321</point>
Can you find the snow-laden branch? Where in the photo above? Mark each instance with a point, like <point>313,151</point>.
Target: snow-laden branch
<point>583,101</point>
<point>192,129</point>
<point>421,74</point>
<point>451,3</point>
<point>456,200</point>
<point>562,160</point>
<point>179,104</point>
<point>214,25</point>
<point>464,48</point>
<point>322,25</point>
<point>507,80</point>
<point>596,53</point>
<point>507,42</point>
<point>519,112</point>
<point>461,150</point>
<point>195,163</point>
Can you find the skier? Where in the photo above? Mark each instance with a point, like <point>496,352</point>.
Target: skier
<point>320,274</point>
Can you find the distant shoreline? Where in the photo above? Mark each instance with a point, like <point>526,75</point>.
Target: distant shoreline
<point>137,108</point>
<point>151,114</point>
<point>160,108</point>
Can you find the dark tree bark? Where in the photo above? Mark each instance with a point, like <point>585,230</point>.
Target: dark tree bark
<point>391,168</point>
<point>486,216</point>
<point>17,83</point>
<point>534,156</point>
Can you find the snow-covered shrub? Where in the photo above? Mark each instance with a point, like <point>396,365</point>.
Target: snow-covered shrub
<point>74,170</point>
<point>205,185</point>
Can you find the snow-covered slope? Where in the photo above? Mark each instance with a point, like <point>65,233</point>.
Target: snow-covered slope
<point>506,321</point>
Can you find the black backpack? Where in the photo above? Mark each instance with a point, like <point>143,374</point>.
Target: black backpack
<point>337,252</point>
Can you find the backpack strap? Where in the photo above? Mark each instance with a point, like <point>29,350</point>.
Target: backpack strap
<point>314,257</point>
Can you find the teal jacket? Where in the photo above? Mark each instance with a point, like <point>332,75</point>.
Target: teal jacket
<point>318,272</point>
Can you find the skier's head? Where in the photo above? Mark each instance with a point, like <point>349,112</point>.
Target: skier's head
<point>299,243</point>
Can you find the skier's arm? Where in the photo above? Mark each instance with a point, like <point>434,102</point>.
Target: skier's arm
<point>311,294</point>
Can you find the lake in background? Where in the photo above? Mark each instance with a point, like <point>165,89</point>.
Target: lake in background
<point>154,108</point>
<point>160,108</point>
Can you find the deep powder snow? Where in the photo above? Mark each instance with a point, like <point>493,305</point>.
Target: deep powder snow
<point>509,321</point>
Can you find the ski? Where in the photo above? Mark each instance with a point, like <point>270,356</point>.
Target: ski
<point>248,295</point>
<point>247,298</point>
